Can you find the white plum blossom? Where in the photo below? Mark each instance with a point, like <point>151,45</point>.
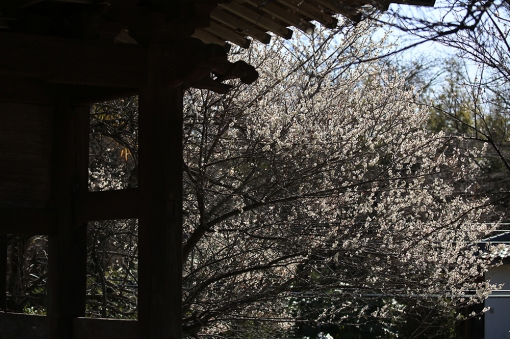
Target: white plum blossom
<point>319,182</point>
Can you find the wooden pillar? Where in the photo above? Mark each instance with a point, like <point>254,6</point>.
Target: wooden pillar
<point>67,249</point>
<point>160,221</point>
<point>3,271</point>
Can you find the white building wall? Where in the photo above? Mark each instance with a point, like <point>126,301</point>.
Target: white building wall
<point>497,319</point>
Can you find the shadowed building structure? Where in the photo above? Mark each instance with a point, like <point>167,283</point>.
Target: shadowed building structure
<point>495,320</point>
<point>57,58</point>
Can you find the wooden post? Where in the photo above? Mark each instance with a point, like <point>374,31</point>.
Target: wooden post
<point>3,271</point>
<point>160,221</point>
<point>67,249</point>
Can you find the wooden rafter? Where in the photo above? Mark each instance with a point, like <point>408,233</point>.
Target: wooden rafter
<point>310,11</point>
<point>284,14</point>
<point>209,38</point>
<point>240,25</point>
<point>342,8</point>
<point>252,18</point>
<point>228,34</point>
<point>259,19</point>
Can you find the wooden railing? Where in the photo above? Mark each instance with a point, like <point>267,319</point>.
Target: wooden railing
<point>25,326</point>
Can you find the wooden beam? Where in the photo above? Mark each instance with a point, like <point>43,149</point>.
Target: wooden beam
<point>67,249</point>
<point>160,222</point>
<point>96,328</point>
<point>28,221</point>
<point>88,95</point>
<point>312,12</point>
<point>36,91</point>
<point>352,12</point>
<point>209,38</point>
<point>258,19</point>
<point>23,326</point>
<point>228,34</point>
<point>240,25</point>
<point>284,14</point>
<point>72,61</point>
<point>26,91</point>
<point>106,205</point>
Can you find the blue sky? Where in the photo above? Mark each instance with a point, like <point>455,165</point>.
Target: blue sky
<point>430,49</point>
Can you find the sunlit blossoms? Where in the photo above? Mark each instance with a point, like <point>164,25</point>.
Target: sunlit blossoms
<point>319,184</point>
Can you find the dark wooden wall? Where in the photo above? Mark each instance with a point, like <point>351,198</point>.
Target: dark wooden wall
<point>25,154</point>
<point>45,86</point>
<point>44,191</point>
